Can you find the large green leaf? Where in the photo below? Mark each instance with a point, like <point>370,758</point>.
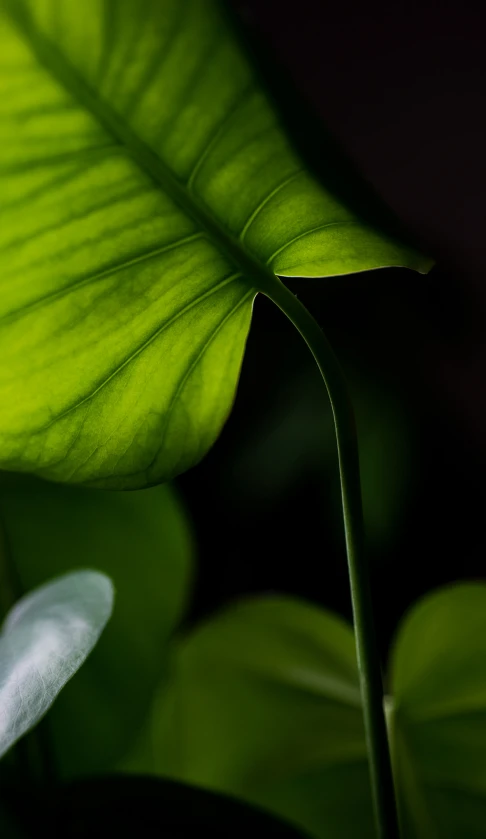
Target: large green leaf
<point>261,706</point>
<point>439,716</point>
<point>45,639</point>
<point>143,541</point>
<point>264,704</point>
<point>146,191</point>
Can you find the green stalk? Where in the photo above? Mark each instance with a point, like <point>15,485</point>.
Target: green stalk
<point>368,660</point>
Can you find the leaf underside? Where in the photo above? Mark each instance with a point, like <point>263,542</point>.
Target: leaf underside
<point>146,193</point>
<point>45,639</point>
<point>141,541</point>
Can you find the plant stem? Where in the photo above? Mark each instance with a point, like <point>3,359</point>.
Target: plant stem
<point>368,660</point>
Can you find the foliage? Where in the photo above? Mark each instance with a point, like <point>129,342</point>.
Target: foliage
<point>143,542</point>
<point>264,704</point>
<point>148,193</point>
<point>145,203</point>
<point>438,679</point>
<point>45,639</point>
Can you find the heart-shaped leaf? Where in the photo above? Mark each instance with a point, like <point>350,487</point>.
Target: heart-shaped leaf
<point>264,704</point>
<point>45,639</point>
<point>439,714</point>
<point>142,540</point>
<point>147,191</point>
<point>261,706</point>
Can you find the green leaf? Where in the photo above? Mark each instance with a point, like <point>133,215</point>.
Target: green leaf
<point>143,541</point>
<point>45,639</point>
<point>264,704</point>
<point>439,717</point>
<point>147,191</point>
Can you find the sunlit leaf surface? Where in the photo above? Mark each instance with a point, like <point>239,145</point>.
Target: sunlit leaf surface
<point>146,190</point>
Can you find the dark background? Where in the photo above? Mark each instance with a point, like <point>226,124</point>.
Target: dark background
<point>398,93</point>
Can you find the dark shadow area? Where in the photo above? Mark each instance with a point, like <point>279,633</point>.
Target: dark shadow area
<point>394,88</point>
<point>127,805</point>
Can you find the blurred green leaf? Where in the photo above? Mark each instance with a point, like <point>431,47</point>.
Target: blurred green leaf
<point>264,704</point>
<point>438,670</point>
<point>44,640</point>
<point>142,540</point>
<point>148,191</point>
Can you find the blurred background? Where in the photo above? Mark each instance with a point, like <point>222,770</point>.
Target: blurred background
<point>399,90</point>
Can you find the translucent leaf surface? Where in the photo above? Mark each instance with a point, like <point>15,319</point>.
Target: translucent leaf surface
<point>146,191</point>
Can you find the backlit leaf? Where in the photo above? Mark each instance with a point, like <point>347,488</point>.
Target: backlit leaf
<point>146,192</point>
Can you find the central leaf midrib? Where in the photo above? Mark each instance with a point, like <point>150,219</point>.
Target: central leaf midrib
<point>66,75</point>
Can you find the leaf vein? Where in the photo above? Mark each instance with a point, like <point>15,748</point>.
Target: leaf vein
<point>218,135</point>
<point>101,275</point>
<point>148,341</point>
<point>309,233</point>
<point>288,180</point>
<point>191,368</point>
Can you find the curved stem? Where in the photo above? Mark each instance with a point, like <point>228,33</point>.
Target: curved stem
<point>368,659</point>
